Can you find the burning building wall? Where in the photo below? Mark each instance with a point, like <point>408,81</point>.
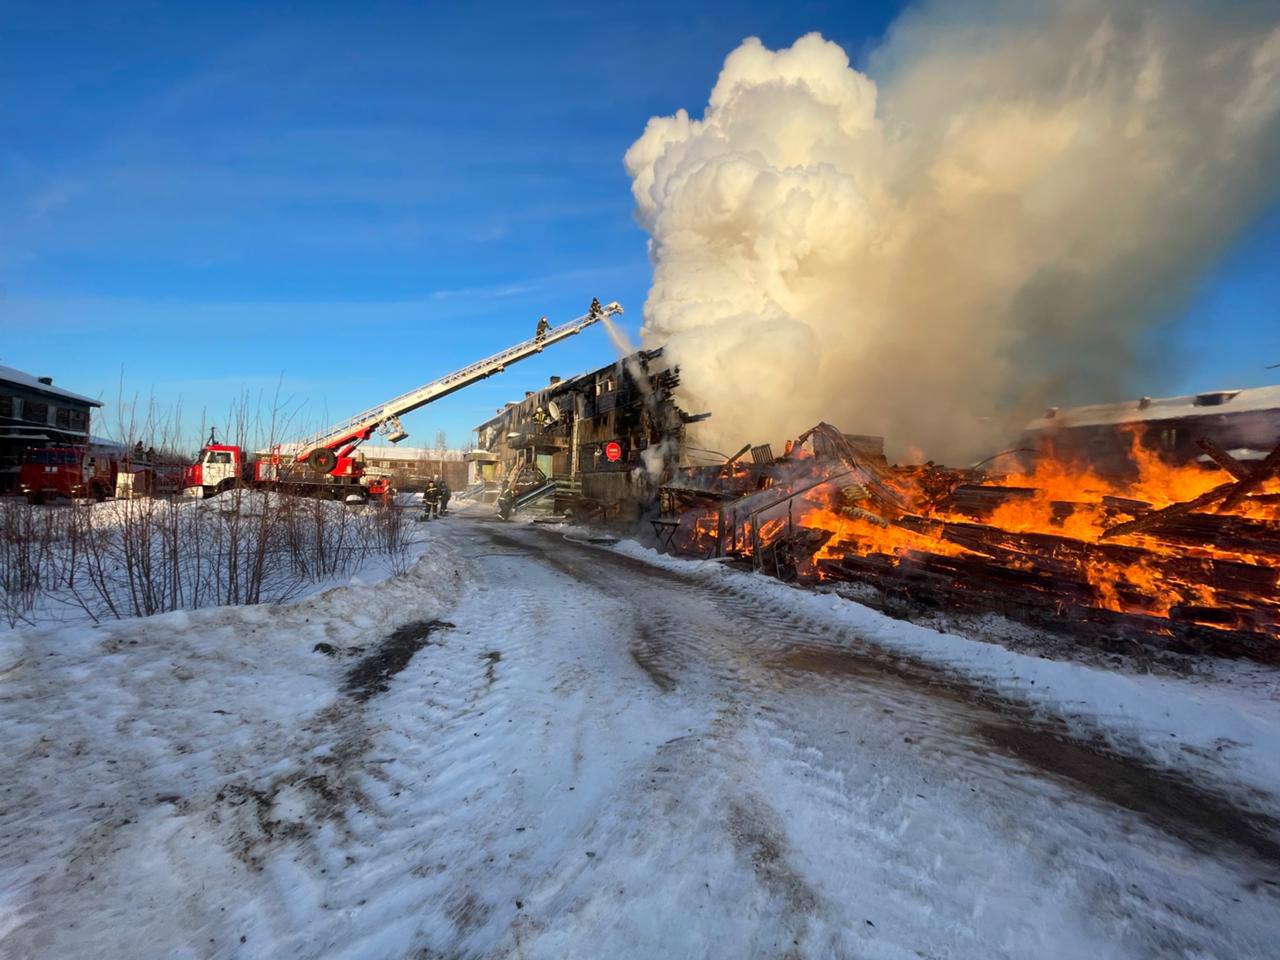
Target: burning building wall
<point>567,431</point>
<point>1246,423</point>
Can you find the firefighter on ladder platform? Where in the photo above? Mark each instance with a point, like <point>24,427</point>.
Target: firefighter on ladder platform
<point>543,327</point>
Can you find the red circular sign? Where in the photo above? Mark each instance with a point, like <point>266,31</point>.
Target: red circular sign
<point>613,451</point>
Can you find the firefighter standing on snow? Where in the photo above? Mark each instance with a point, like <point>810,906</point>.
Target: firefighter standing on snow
<point>431,500</point>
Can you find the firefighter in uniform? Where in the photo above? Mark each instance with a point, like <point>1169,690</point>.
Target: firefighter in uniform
<point>445,494</point>
<point>543,327</point>
<point>506,503</point>
<point>430,500</point>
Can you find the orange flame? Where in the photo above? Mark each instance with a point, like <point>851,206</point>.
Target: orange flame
<point>1055,522</point>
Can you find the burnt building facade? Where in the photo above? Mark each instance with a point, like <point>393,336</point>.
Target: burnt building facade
<point>607,439</point>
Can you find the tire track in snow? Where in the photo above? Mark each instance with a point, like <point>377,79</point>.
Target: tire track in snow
<point>989,784</point>
<point>475,813</point>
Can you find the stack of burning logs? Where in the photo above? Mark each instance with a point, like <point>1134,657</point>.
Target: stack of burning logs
<point>1183,557</point>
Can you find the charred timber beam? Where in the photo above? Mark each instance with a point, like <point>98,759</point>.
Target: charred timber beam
<point>1190,631</point>
<point>1223,459</point>
<point>1157,518</point>
<point>979,500</point>
<point>1260,475</point>
<point>1230,494</point>
<point>1225,532</point>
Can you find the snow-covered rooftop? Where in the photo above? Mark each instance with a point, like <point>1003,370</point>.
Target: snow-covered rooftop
<point>31,382</point>
<point>381,452</point>
<point>408,453</point>
<point>1209,403</point>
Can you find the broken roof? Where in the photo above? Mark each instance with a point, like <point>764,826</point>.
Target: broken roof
<point>1210,403</point>
<point>551,390</point>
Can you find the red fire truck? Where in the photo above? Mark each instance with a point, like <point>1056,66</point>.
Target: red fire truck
<point>325,465</point>
<point>69,472</point>
<point>222,466</point>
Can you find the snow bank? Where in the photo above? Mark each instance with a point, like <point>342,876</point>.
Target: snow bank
<point>152,751</point>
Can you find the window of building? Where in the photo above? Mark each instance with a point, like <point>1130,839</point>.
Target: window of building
<point>33,412</point>
<point>79,420</point>
<point>6,406</point>
<point>62,417</point>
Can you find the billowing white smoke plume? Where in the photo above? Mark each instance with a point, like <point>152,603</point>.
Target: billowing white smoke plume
<point>993,223</point>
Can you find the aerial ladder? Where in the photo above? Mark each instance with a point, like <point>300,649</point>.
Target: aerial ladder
<point>330,451</point>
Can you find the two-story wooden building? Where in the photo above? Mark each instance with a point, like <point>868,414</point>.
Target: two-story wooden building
<point>608,437</point>
<point>35,414</point>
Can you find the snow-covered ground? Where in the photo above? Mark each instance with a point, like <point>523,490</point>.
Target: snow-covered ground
<point>596,753</point>
<point>1222,722</point>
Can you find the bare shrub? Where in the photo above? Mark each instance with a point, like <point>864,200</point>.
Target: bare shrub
<point>134,558</point>
<point>139,557</point>
<point>27,543</point>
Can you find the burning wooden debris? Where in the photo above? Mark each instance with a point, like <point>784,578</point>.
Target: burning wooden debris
<point>1173,555</point>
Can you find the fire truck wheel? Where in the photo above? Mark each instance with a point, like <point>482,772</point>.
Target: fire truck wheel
<point>35,499</point>
<point>324,459</point>
<point>224,486</point>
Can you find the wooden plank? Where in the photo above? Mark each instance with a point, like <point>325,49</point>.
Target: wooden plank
<point>1228,532</point>
<point>1134,508</point>
<point>1223,459</point>
<point>1259,475</point>
<point>1089,624</point>
<point>980,500</point>
<point>1230,494</point>
<point>1156,517</point>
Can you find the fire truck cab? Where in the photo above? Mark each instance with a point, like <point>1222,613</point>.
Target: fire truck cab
<point>219,468</point>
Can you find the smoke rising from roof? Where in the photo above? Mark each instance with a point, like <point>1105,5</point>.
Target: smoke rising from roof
<point>996,221</point>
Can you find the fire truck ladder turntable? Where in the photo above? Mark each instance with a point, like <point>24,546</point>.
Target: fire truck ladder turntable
<point>323,449</point>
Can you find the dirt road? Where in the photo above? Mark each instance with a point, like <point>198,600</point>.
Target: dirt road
<point>865,805</point>
<point>530,746</point>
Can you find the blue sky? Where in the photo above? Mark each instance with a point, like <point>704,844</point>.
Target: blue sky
<point>350,199</point>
